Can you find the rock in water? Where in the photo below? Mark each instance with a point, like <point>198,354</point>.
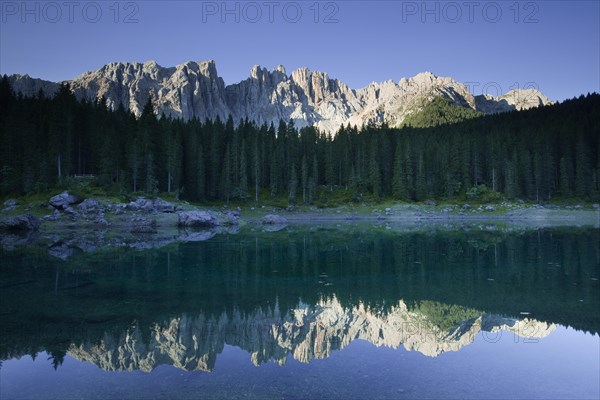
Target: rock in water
<point>63,200</point>
<point>21,223</point>
<point>274,219</point>
<point>60,250</point>
<point>198,219</point>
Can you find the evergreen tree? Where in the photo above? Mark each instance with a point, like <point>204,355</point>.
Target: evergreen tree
<point>256,162</point>
<point>200,174</point>
<point>226,176</point>
<point>304,174</point>
<point>293,186</point>
<point>243,173</point>
<point>565,178</point>
<point>314,179</point>
<point>583,176</point>
<point>399,184</point>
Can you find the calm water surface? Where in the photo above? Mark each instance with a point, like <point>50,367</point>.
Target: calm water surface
<point>327,312</point>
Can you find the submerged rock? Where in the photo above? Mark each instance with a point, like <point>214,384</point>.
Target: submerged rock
<point>21,223</point>
<point>60,250</point>
<point>199,219</point>
<point>63,200</point>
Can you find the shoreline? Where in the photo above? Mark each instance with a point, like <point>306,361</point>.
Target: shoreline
<point>66,225</point>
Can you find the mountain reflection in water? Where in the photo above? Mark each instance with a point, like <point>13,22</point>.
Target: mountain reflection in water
<point>306,332</point>
<point>303,293</point>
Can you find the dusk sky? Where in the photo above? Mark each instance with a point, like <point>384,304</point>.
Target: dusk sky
<point>501,44</point>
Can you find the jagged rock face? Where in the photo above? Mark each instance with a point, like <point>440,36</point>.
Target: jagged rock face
<point>190,90</point>
<point>194,90</point>
<point>306,332</point>
<point>518,99</point>
<point>29,86</point>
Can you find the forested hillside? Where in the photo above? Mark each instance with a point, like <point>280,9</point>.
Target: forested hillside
<point>539,154</point>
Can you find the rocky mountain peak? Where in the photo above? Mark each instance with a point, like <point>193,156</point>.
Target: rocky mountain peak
<point>280,68</point>
<point>209,69</point>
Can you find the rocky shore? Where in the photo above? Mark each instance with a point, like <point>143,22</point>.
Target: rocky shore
<point>66,224</point>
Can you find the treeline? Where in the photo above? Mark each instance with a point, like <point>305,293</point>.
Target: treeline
<point>537,154</point>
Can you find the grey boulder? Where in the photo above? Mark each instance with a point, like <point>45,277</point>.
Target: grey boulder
<point>63,200</point>
<point>141,204</point>
<point>274,219</point>
<point>196,219</point>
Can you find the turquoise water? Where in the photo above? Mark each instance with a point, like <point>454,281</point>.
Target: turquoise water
<point>327,312</point>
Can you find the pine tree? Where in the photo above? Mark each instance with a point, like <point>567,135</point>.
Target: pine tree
<point>243,173</point>
<point>134,160</point>
<point>200,183</point>
<point>375,177</point>
<point>293,186</point>
<point>256,162</point>
<point>399,185</point>
<point>314,179</point>
<point>330,164</point>
<point>583,176</point>
<point>276,171</point>
<point>150,178</point>
<point>420,183</point>
<point>565,179</point>
<point>226,176</point>
<point>304,174</point>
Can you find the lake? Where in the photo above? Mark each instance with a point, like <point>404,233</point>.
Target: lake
<point>352,311</point>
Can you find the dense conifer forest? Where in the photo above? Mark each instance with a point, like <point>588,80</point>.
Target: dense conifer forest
<point>444,152</point>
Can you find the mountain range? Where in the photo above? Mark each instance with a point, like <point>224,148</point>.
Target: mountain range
<point>195,90</point>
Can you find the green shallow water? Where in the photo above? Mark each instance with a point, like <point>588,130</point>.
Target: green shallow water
<point>327,312</point>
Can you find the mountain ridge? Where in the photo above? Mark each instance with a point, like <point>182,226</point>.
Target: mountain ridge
<point>311,98</point>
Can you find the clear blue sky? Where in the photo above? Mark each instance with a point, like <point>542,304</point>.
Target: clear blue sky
<point>554,44</point>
